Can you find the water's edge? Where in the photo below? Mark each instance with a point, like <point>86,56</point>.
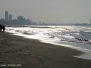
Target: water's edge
<point>84,55</point>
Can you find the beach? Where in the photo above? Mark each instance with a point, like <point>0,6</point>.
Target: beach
<point>30,53</point>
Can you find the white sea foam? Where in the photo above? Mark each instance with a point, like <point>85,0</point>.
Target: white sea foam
<point>76,37</point>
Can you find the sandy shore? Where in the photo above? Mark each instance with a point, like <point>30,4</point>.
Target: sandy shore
<point>31,53</point>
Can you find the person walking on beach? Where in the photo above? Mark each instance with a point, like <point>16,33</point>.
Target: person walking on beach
<point>3,28</point>
<point>0,27</point>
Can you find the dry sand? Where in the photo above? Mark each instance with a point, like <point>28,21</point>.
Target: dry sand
<point>34,54</point>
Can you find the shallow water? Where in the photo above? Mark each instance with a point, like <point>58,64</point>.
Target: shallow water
<point>76,37</point>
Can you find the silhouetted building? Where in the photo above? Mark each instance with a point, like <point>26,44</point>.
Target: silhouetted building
<point>6,15</point>
<point>43,23</point>
<point>39,22</point>
<point>10,17</point>
<point>20,18</point>
<point>90,21</point>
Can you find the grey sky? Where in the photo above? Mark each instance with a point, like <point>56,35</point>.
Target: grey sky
<point>48,11</point>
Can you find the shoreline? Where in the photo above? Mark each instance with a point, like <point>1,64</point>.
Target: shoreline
<point>32,53</point>
<point>85,53</point>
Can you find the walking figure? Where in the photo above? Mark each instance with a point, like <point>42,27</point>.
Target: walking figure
<point>3,28</point>
<point>0,27</point>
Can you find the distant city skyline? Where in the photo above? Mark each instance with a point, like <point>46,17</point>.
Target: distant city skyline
<point>22,20</point>
<point>19,19</point>
<point>48,11</point>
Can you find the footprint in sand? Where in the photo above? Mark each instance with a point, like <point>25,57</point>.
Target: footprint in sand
<point>41,46</point>
<point>30,53</point>
<point>1,62</point>
<point>42,62</point>
<point>9,67</point>
<point>39,59</point>
<point>47,67</point>
<point>20,50</point>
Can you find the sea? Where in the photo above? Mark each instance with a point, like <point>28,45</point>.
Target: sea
<point>75,37</point>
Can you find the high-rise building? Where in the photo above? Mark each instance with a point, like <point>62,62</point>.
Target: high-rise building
<point>90,21</point>
<point>10,17</point>
<point>6,15</point>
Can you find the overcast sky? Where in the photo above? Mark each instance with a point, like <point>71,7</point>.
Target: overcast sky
<point>48,11</point>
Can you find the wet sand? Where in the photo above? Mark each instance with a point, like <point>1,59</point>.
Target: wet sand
<point>31,53</point>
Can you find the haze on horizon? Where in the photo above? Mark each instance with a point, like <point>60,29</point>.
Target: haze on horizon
<point>48,11</point>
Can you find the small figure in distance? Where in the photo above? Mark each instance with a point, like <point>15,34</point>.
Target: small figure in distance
<point>0,27</point>
<point>3,28</point>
